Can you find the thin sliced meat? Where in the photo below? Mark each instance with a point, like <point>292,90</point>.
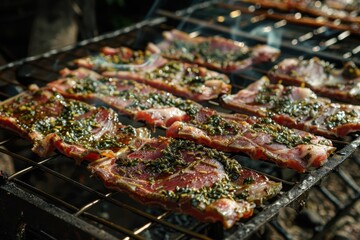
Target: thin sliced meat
<point>182,79</point>
<point>295,107</point>
<point>74,128</point>
<point>213,52</point>
<point>20,112</point>
<point>115,58</point>
<point>259,138</point>
<point>142,102</point>
<point>182,176</point>
<point>321,77</point>
<point>331,9</point>
<point>348,5</point>
<point>80,73</point>
<point>95,134</point>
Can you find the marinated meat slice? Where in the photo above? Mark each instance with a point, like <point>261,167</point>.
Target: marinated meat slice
<point>329,10</point>
<point>332,9</point>
<point>259,138</point>
<point>95,134</point>
<point>182,79</point>
<point>74,128</point>
<point>321,77</point>
<point>20,112</point>
<point>295,107</point>
<point>115,58</point>
<point>349,5</point>
<point>182,176</point>
<point>142,102</point>
<point>213,52</point>
<point>80,73</point>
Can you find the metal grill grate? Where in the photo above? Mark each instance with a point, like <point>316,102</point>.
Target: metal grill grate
<point>63,194</point>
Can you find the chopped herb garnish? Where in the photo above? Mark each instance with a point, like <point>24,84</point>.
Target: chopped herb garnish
<point>205,195</point>
<point>217,125</point>
<point>280,134</point>
<point>249,180</point>
<point>341,117</point>
<point>191,76</point>
<point>172,157</point>
<point>208,53</point>
<point>286,105</point>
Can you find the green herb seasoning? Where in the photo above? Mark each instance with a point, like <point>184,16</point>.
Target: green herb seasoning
<point>172,158</point>
<point>125,56</point>
<point>266,95</point>
<point>129,130</point>
<point>193,79</point>
<point>285,105</point>
<point>28,110</point>
<point>217,125</point>
<point>169,70</point>
<point>126,162</point>
<point>74,109</point>
<point>249,180</point>
<point>162,99</point>
<point>204,196</point>
<point>341,117</point>
<point>206,52</point>
<point>280,134</point>
<point>80,131</point>
<point>297,108</point>
<point>89,85</point>
<point>175,73</point>
<point>190,77</point>
<point>107,142</point>
<point>27,114</point>
<point>60,116</point>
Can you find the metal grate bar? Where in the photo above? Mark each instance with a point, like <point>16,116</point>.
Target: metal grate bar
<point>112,225</point>
<point>148,225</point>
<point>11,82</point>
<point>28,169</point>
<point>197,228</point>
<point>348,180</point>
<point>333,199</point>
<point>89,205</point>
<point>44,194</point>
<point>4,95</point>
<point>280,229</point>
<point>356,158</point>
<point>356,50</point>
<point>6,140</point>
<point>132,234</point>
